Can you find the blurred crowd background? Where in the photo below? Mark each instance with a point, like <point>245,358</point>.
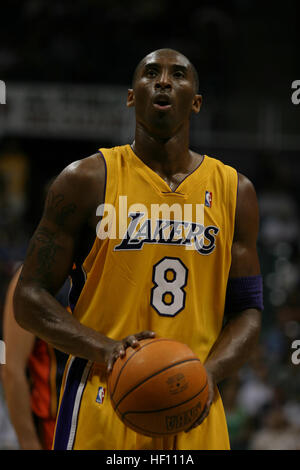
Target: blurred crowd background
<point>67,67</point>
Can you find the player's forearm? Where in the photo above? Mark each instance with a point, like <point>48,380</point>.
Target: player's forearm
<point>234,345</point>
<point>38,311</point>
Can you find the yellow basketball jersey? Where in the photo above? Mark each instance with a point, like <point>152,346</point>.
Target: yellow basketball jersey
<point>153,277</point>
<point>160,262</point>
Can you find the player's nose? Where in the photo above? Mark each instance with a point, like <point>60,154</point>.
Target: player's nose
<point>163,81</point>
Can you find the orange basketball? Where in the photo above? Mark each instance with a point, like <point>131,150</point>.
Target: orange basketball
<point>159,388</point>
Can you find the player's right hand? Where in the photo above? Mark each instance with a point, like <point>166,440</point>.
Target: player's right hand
<point>210,399</point>
<point>118,348</point>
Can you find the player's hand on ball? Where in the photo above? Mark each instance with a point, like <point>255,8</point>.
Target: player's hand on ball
<point>206,409</point>
<point>118,348</point>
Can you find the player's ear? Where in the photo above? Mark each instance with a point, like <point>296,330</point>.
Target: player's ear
<point>130,98</point>
<point>197,102</point>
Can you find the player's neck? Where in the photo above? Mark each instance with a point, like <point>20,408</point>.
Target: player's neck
<point>165,155</point>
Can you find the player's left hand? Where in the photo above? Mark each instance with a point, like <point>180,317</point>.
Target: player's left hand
<point>206,409</point>
<point>118,348</point>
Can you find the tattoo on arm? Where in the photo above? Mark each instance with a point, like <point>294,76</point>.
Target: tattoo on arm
<point>46,254</point>
<point>55,208</point>
<point>44,249</point>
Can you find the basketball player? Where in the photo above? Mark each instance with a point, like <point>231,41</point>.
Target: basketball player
<point>196,283</point>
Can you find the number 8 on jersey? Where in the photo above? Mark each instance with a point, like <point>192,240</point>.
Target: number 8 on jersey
<point>168,294</point>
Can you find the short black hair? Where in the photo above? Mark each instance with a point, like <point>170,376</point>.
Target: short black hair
<point>194,70</point>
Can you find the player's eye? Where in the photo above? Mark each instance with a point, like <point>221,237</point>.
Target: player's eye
<point>179,74</point>
<point>151,73</point>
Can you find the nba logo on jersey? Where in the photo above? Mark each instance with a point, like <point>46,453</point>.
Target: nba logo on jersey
<point>100,395</point>
<point>208,198</point>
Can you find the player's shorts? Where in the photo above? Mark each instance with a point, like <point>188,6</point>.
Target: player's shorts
<point>87,421</point>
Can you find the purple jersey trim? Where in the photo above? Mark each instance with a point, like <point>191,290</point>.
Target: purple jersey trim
<point>66,410</point>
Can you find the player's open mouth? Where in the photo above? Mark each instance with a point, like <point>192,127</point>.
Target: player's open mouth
<point>162,107</point>
<point>162,103</point>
